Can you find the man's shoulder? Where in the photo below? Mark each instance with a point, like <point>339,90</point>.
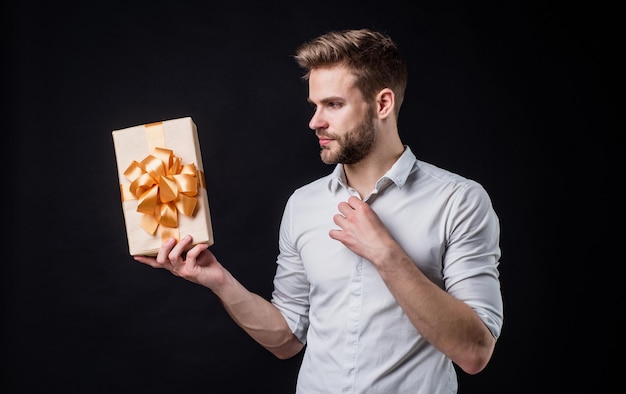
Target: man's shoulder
<point>439,173</point>
<point>438,177</point>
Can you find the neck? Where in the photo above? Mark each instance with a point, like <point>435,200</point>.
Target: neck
<point>362,176</point>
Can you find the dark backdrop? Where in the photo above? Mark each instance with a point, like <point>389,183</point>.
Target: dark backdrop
<point>521,97</point>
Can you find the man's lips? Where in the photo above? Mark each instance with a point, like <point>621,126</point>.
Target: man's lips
<point>325,141</point>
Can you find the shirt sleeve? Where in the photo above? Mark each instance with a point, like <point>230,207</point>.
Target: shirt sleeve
<point>291,287</point>
<point>473,254</point>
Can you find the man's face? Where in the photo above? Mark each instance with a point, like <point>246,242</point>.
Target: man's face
<point>343,121</point>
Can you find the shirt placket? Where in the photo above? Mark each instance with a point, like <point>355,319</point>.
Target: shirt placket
<point>353,327</point>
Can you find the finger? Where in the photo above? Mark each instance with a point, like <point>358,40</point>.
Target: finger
<point>194,253</point>
<point>340,220</point>
<point>344,208</point>
<point>151,261</point>
<point>355,202</point>
<point>164,251</point>
<point>175,255</point>
<point>334,234</point>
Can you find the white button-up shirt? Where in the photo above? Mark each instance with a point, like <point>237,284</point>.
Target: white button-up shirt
<point>358,339</point>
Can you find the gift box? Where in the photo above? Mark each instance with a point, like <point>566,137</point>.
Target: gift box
<point>162,186</point>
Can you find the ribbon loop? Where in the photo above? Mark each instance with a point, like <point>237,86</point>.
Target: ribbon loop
<point>163,187</point>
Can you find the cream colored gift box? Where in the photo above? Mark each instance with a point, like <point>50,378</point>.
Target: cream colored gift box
<point>162,184</point>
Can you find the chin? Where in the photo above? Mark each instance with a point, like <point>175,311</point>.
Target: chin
<point>327,158</point>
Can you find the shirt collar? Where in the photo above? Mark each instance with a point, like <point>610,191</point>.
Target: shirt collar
<point>398,173</point>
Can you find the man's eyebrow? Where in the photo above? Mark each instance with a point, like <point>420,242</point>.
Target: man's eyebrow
<point>325,100</point>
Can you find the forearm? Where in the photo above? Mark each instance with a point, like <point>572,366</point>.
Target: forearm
<point>446,322</point>
<point>258,317</point>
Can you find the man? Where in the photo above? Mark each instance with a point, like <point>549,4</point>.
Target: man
<point>387,268</point>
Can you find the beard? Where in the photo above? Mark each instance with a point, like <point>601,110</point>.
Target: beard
<point>353,146</point>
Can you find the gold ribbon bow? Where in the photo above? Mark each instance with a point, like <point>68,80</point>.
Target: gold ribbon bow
<point>163,187</point>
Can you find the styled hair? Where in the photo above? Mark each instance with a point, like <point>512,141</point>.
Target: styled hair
<point>372,57</point>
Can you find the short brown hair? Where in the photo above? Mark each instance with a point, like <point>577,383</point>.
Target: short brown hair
<point>372,56</point>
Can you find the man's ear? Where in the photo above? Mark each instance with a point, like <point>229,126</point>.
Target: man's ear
<point>385,103</point>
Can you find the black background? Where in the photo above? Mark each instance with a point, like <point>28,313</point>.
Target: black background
<point>522,97</point>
